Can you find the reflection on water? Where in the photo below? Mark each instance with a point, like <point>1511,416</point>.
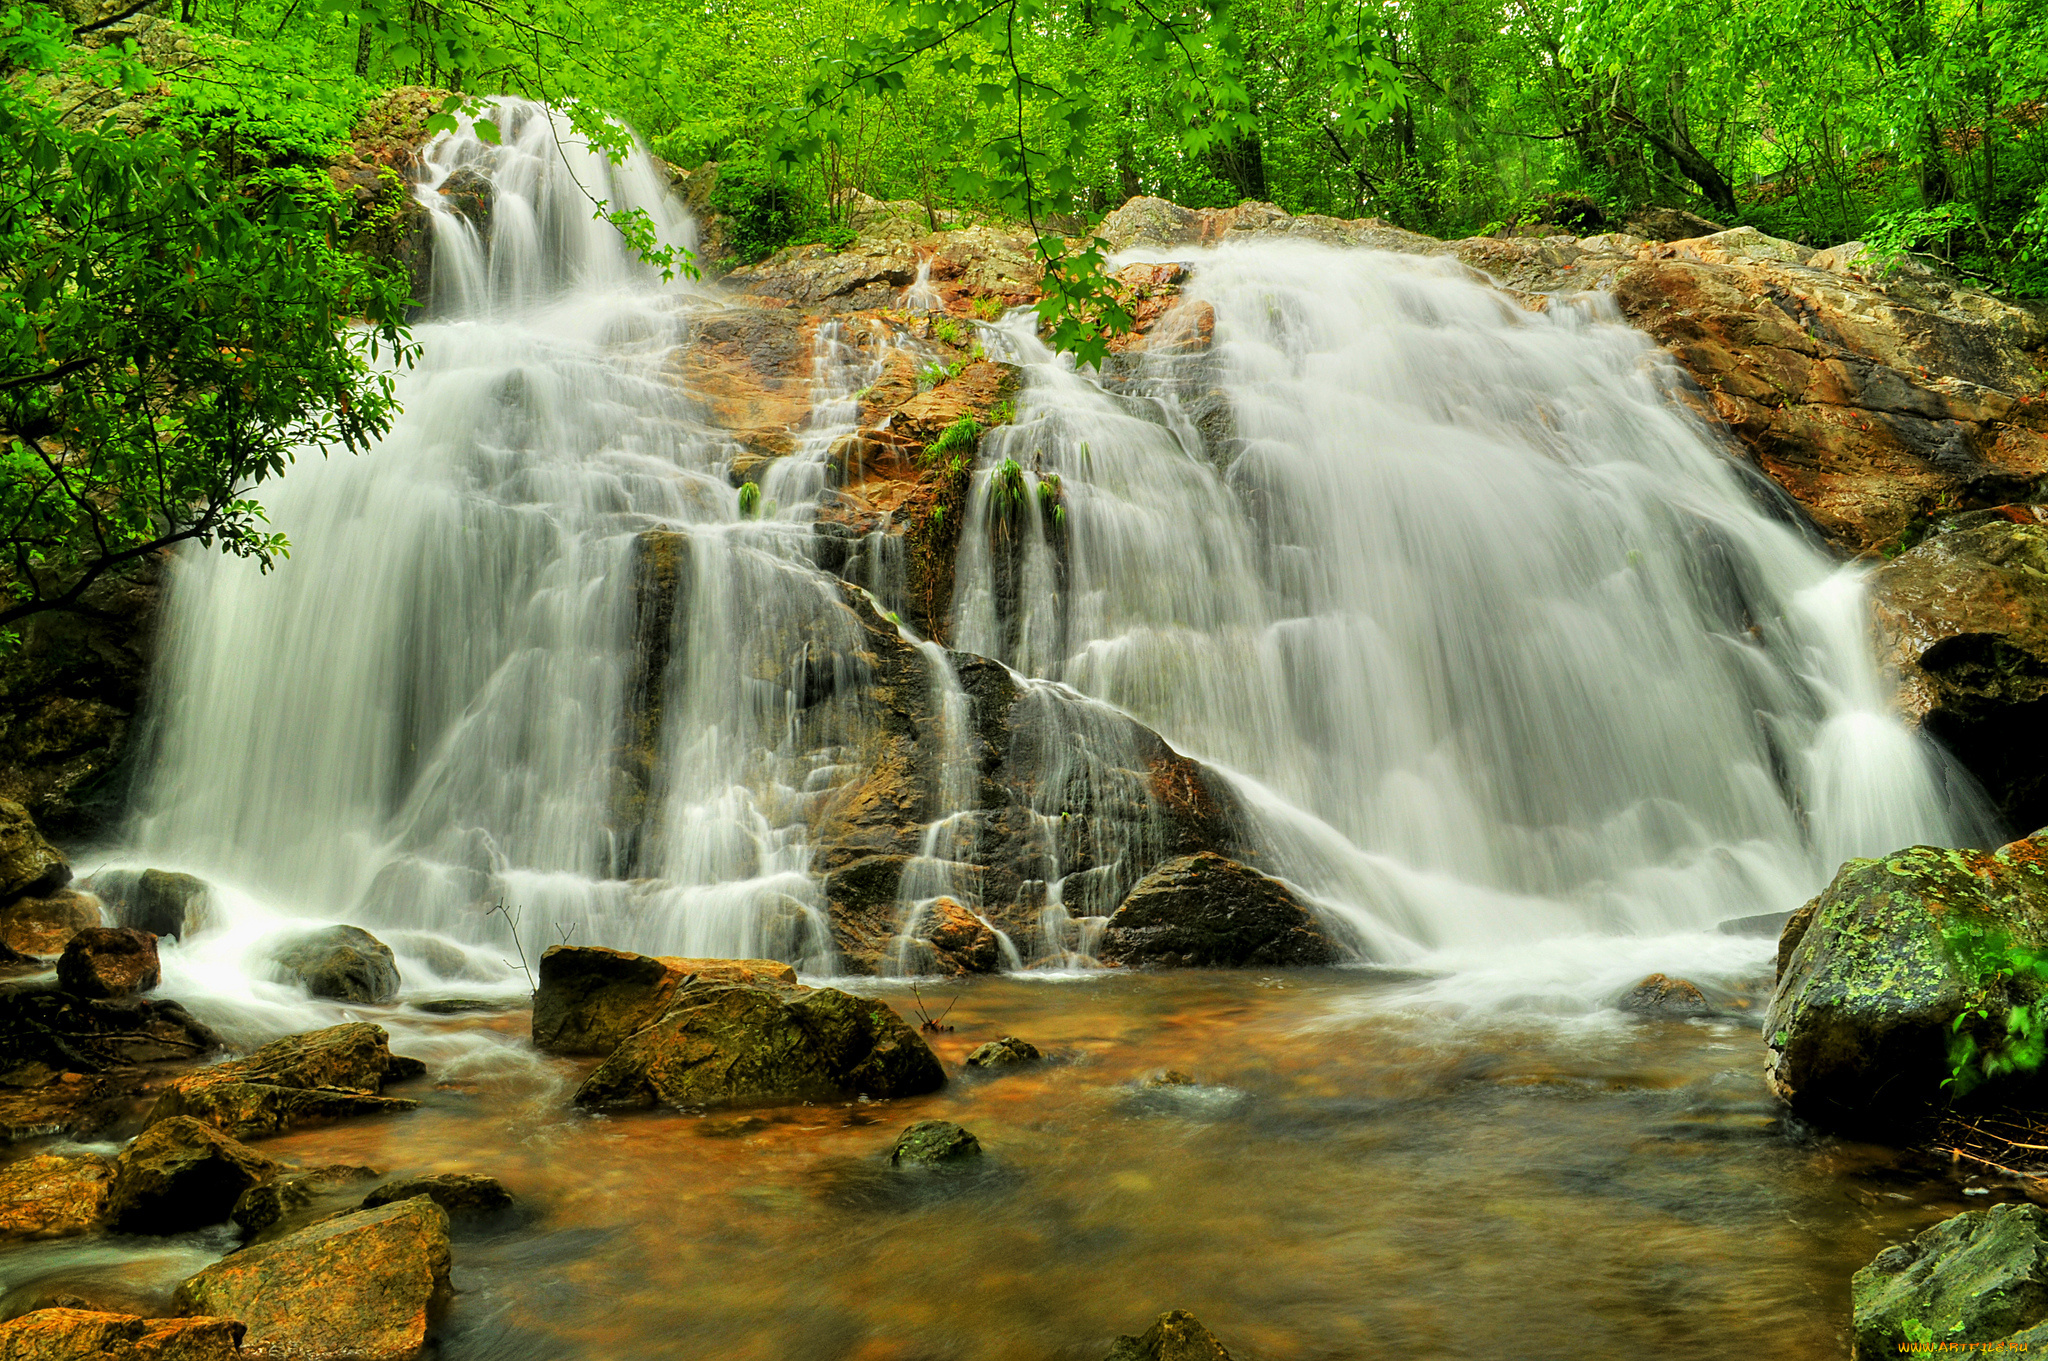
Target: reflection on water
<point>1343,1179</point>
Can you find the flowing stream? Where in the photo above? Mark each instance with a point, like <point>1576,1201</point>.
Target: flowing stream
<point>1516,672</point>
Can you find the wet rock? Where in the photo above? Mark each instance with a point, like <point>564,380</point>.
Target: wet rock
<point>29,865</point>
<point>1668,224</point>
<point>442,958</point>
<point>361,1285</point>
<point>935,1143</point>
<point>39,1023</point>
<point>161,902</point>
<point>1979,1279</point>
<point>591,998</point>
<point>1658,995</point>
<point>459,1193</point>
<point>45,925</point>
<point>1172,1077</point>
<point>109,961</point>
<point>1881,967</point>
<point>180,1174</point>
<point>734,1044</point>
<point>88,1335</point>
<point>48,1196</point>
<point>268,1204</point>
<point>1176,1336</point>
<point>346,963</point>
<point>1763,924</point>
<point>463,1006</point>
<point>1963,621</point>
<point>1206,911</point>
<point>323,1074</point>
<point>959,942</point>
<point>1007,1052</point>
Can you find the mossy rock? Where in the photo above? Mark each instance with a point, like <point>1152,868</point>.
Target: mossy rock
<point>935,1143</point>
<point>1981,1277</point>
<point>1880,967</point>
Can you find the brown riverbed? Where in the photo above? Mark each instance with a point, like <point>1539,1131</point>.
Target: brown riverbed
<point>1344,1179</point>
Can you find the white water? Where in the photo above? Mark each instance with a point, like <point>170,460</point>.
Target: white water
<point>1498,645</point>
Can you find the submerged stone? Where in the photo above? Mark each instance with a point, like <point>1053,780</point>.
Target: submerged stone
<point>1206,911</point>
<point>734,1044</point>
<point>459,1193</point>
<point>1007,1052</point>
<point>361,1285</point>
<point>1658,995</point>
<point>1979,1279</point>
<point>1176,1336</point>
<point>934,1143</point>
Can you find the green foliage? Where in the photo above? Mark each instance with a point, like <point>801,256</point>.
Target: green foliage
<point>749,500</point>
<point>948,330</point>
<point>1916,1331</point>
<point>1006,492</point>
<point>987,309</point>
<point>176,325</point>
<point>959,437</point>
<point>1993,1038</point>
<point>764,210</point>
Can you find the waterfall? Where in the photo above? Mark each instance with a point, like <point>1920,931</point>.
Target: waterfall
<point>1496,642</point>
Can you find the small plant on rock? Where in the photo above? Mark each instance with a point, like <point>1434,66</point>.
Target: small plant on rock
<point>750,500</point>
<point>1006,491</point>
<point>1992,1038</point>
<point>948,330</point>
<point>959,437</point>
<point>988,309</point>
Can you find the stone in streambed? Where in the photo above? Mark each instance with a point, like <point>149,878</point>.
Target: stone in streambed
<point>179,1175</point>
<point>105,962</point>
<point>1176,1336</point>
<point>459,1193</point>
<point>591,998</point>
<point>361,1285</point>
<point>1770,924</point>
<point>48,1196</point>
<point>735,1044</point>
<point>935,1143</point>
<point>346,963</point>
<point>29,866</point>
<point>323,1074</point>
<point>1007,1052</point>
<point>1979,1278</point>
<point>45,925</point>
<point>1879,969</point>
<point>63,1334</point>
<point>1658,995</point>
<point>1206,911</point>
<point>263,1207</point>
<point>161,902</point>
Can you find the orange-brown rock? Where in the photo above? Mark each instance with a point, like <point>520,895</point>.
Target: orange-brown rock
<point>43,926</point>
<point>364,1285</point>
<point>958,941</point>
<point>29,865</point>
<point>108,962</point>
<point>321,1075</point>
<point>591,998</point>
<point>751,367</point>
<point>48,1196</point>
<point>86,1335</point>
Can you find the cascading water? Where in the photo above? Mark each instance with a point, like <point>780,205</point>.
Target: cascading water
<point>1497,644</point>
<point>1500,644</point>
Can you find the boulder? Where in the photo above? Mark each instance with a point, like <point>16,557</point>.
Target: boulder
<point>87,1335</point>
<point>161,902</point>
<point>1176,1336</point>
<point>1963,622</point>
<point>959,941</point>
<point>1668,224</point>
<point>29,865</point>
<point>43,926</point>
<point>362,1285</point>
<point>48,1196</point>
<point>1007,1052</point>
<point>323,1074</point>
<point>1890,966</point>
<point>459,1193</point>
<point>1658,995</point>
<point>590,998</point>
<point>346,963</point>
<point>179,1175</point>
<point>40,1023</point>
<point>935,1143</point>
<point>264,1206</point>
<point>1770,924</point>
<point>109,961</point>
<point>746,1044</point>
<point>1207,911</point>
<point>1979,1279</point>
